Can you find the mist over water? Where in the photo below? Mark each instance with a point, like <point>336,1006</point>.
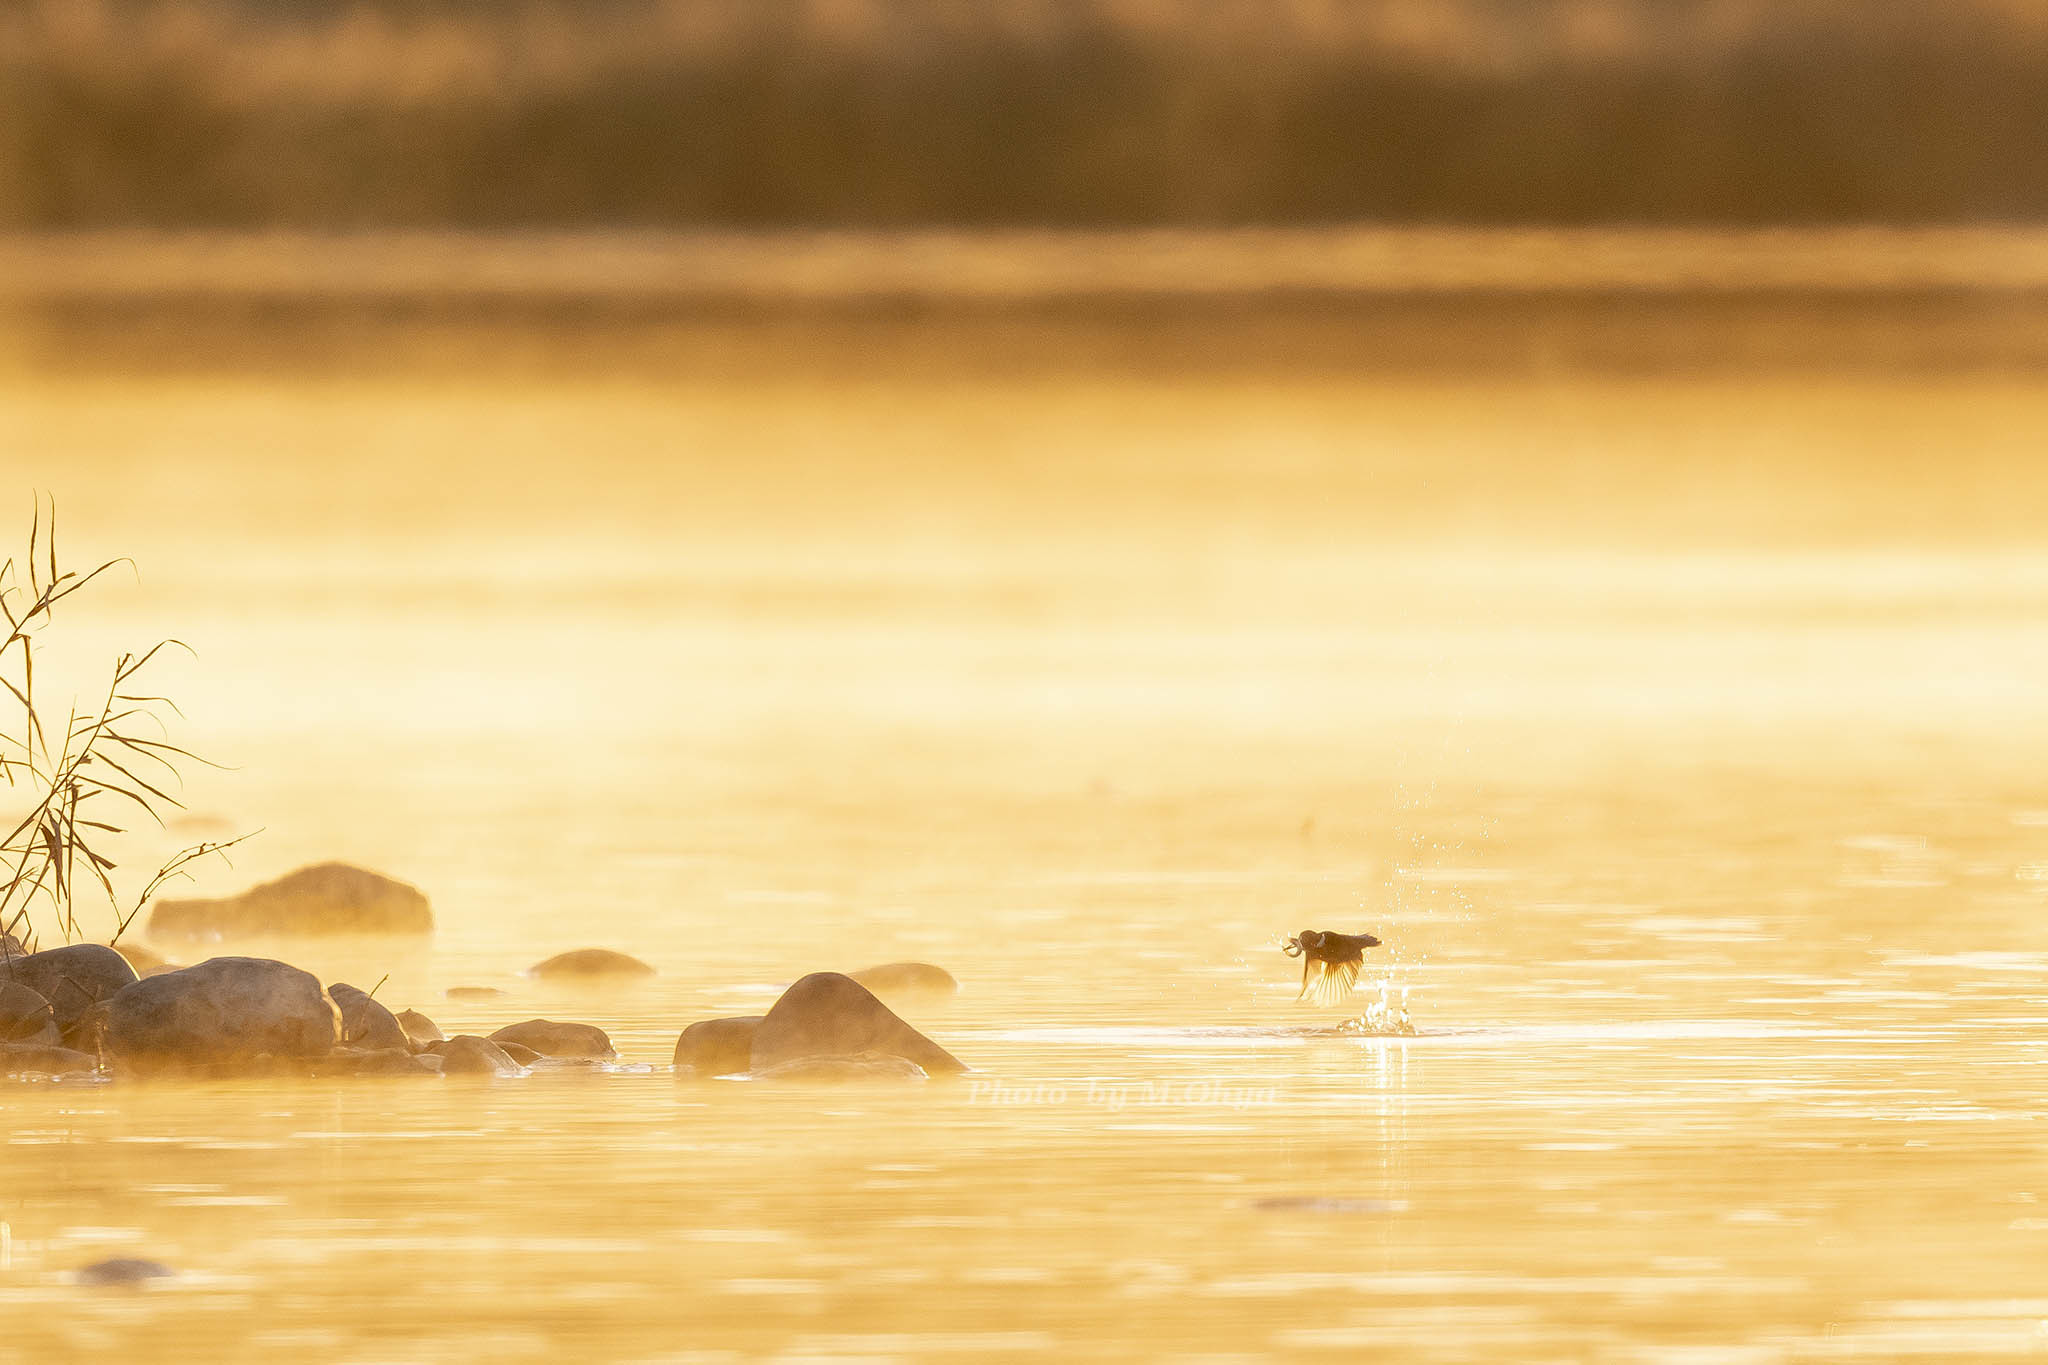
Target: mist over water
<point>1677,728</point>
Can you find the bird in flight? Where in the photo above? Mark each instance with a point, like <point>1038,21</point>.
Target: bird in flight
<point>1330,962</point>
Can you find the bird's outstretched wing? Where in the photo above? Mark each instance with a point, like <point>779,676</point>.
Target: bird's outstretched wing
<point>1323,984</point>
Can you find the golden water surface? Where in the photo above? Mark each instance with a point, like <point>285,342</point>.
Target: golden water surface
<point>1681,733</point>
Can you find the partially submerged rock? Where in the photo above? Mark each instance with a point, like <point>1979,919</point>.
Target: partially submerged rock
<point>42,1059</point>
<point>419,1030</point>
<point>828,1014</point>
<point>330,898</point>
<point>468,1055</point>
<point>863,1066</point>
<point>228,1014</point>
<point>472,993</point>
<point>552,1039</point>
<point>73,979</point>
<point>25,1017</point>
<point>364,1022</point>
<point>718,1047</point>
<point>1323,1204</point>
<point>124,1270</point>
<point>525,1056</point>
<point>908,978</point>
<point>587,964</point>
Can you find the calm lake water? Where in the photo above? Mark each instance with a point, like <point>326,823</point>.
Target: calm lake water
<point>1680,729</point>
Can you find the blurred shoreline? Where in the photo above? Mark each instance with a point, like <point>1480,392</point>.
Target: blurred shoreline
<point>771,269</point>
<point>1335,300</point>
<point>516,114</point>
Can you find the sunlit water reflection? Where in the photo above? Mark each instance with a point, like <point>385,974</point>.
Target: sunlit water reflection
<point>1710,874</point>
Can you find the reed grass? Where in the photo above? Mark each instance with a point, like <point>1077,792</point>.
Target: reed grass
<point>84,781</point>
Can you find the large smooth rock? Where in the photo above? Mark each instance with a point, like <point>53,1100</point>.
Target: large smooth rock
<point>365,1023</point>
<point>25,1017</point>
<point>419,1030</point>
<point>40,1059</point>
<point>908,978</point>
<point>864,1066</point>
<point>718,1047</point>
<point>552,1039</point>
<point>828,1014</point>
<point>330,898</point>
<point>586,964</point>
<point>73,979</point>
<point>468,1055</point>
<point>227,1014</point>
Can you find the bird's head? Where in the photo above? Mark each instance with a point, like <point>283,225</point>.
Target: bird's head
<point>1307,941</point>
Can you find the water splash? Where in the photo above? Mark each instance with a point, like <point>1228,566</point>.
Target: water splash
<point>1386,1017</point>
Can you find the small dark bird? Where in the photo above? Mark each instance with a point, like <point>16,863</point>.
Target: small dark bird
<point>1330,962</point>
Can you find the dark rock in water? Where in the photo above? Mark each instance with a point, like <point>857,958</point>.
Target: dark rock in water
<point>472,993</point>
<point>26,1017</point>
<point>907,978</point>
<point>387,1061</point>
<point>125,1270</point>
<point>364,1022</point>
<point>862,1066</point>
<point>552,1039</point>
<point>830,1015</point>
<point>587,964</point>
<point>227,1014</point>
<point>419,1030</point>
<point>468,1055</point>
<point>718,1047</point>
<point>525,1056</point>
<point>73,979</point>
<point>331,898</point>
<point>1314,1204</point>
<point>142,959</point>
<point>41,1059</point>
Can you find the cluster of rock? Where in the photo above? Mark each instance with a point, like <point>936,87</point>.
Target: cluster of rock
<point>83,1008</point>
<point>45,999</point>
<point>87,1007</point>
<point>77,1009</point>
